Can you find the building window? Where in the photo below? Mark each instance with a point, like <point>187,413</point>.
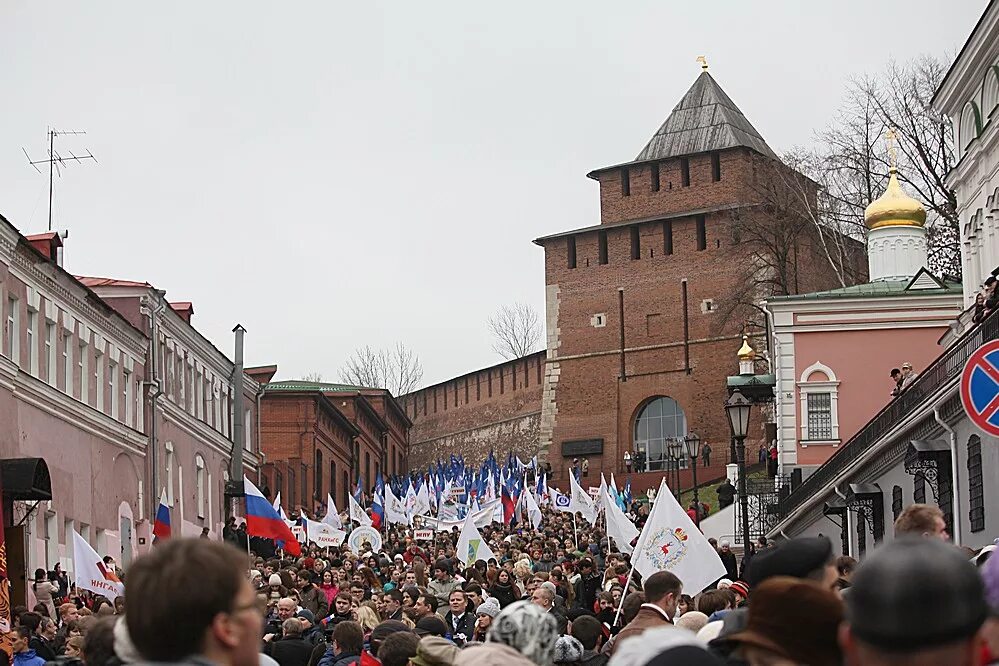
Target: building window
<point>68,364</point>
<point>367,466</point>
<point>291,489</point>
<point>685,172</point>
<point>318,474</point>
<point>818,391</point>
<point>85,375</point>
<point>332,478</point>
<point>668,237</point>
<point>976,490</point>
<point>278,483</point>
<point>129,400</point>
<point>571,250</point>
<point>602,247</point>
<point>636,243</point>
<point>715,167</point>
<point>654,176</point>
<point>702,233</point>
<point>113,388</point>
<point>12,338</point>
<point>169,472</point>
<point>247,429</point>
<point>896,502</point>
<point>305,486</point>
<point>660,422</point>
<point>33,342</point>
<point>346,489</point>
<point>625,182</point>
<point>199,475</point>
<point>51,348</point>
<point>99,380</point>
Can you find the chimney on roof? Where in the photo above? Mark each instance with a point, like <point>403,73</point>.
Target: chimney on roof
<point>185,309</point>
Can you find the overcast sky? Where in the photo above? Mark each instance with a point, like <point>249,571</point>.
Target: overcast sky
<point>334,174</point>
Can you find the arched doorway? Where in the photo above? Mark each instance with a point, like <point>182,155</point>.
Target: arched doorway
<point>660,421</point>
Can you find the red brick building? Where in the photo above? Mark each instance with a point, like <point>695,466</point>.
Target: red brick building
<point>319,437</point>
<point>645,310</point>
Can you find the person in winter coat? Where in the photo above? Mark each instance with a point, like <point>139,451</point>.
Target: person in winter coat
<point>504,591</point>
<point>23,655</point>
<point>291,649</point>
<point>345,650</point>
<point>44,589</point>
<point>443,583</point>
<point>311,597</point>
<point>588,585</point>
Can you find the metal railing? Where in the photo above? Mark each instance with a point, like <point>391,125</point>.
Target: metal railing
<point>946,366</point>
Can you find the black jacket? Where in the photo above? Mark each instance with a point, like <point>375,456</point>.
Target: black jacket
<point>289,651</point>
<point>466,626</point>
<point>731,564</point>
<point>587,588</point>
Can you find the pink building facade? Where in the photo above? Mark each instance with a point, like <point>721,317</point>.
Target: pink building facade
<point>833,352</point>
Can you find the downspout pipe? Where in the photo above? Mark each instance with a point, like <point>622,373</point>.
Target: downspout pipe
<point>954,490</point>
<point>846,519</point>
<point>155,391</point>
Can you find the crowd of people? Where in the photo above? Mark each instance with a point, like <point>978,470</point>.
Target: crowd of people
<point>556,595</point>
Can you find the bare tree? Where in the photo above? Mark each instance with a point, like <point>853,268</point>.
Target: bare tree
<point>397,369</point>
<point>854,159</point>
<point>315,376</point>
<point>516,330</point>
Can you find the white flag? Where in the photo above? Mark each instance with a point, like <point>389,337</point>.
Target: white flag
<point>533,510</point>
<point>332,517</point>
<point>580,501</point>
<point>356,512</point>
<point>559,501</point>
<point>671,542</point>
<point>91,573</point>
<point>480,518</point>
<point>619,527</point>
<point>323,534</point>
<point>422,506</point>
<point>471,546</point>
<point>395,510</point>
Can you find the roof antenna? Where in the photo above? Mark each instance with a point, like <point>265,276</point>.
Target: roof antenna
<point>704,63</point>
<point>56,161</point>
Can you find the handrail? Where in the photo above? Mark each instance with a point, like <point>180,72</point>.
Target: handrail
<point>944,368</point>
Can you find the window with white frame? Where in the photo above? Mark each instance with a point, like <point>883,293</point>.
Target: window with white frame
<point>84,372</point>
<point>127,397</point>
<point>113,387</point>
<point>139,413</point>
<point>199,466</point>
<point>33,341</point>
<point>818,391</point>
<point>51,349</point>
<point>12,337</point>
<point>99,379</point>
<point>68,365</point>
<point>169,472</point>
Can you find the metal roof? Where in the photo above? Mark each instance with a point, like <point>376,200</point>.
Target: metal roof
<point>705,120</point>
<point>873,290</point>
<point>299,385</point>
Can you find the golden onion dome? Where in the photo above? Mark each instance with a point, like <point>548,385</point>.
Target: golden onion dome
<point>746,353</point>
<point>894,208</point>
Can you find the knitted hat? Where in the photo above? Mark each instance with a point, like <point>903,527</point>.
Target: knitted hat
<point>692,620</point>
<point>777,624</point>
<point>306,614</point>
<point>887,611</point>
<point>489,607</point>
<point>567,650</point>
<point>528,629</point>
<point>274,579</point>
<point>796,558</point>
<point>740,588</point>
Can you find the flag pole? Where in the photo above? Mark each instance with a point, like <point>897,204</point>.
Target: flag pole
<point>575,536</point>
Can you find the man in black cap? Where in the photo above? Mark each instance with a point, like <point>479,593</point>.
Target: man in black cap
<point>810,558</point>
<point>431,625</point>
<point>914,601</point>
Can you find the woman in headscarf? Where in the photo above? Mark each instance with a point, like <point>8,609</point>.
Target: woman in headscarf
<point>527,628</point>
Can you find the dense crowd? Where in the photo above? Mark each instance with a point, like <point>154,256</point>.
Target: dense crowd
<point>557,595</point>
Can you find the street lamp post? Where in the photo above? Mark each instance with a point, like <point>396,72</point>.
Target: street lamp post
<point>673,451</point>
<point>738,408</point>
<point>693,443</point>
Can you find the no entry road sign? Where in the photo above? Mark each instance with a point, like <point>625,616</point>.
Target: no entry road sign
<point>980,388</point>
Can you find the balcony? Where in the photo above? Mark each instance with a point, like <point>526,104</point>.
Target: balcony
<point>945,368</point>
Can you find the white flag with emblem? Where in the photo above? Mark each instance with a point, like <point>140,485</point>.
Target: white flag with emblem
<point>580,501</point>
<point>471,546</point>
<point>671,542</point>
<point>332,517</point>
<point>91,573</point>
<point>356,512</point>
<point>619,528</point>
<point>395,510</point>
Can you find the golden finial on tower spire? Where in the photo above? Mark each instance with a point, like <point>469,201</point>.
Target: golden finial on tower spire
<point>890,138</point>
<point>704,62</point>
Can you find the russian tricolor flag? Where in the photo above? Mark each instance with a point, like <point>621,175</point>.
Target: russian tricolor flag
<point>161,526</point>
<point>378,503</point>
<point>263,521</point>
